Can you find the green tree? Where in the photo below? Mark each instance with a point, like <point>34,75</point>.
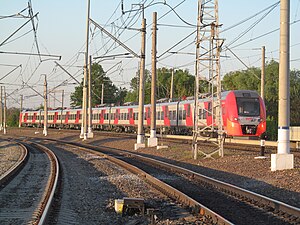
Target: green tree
<point>12,117</point>
<point>112,94</point>
<point>183,85</point>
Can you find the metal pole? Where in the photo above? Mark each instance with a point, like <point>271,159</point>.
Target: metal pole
<point>172,84</point>
<point>45,108</point>
<point>197,77</point>
<point>102,94</point>
<point>140,133</point>
<point>1,109</point>
<point>90,132</point>
<point>21,108</point>
<point>4,113</point>
<point>152,141</point>
<point>62,107</point>
<point>263,69</point>
<point>283,159</point>
<point>83,133</point>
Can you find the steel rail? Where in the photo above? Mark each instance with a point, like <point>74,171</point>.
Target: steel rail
<point>270,204</point>
<point>40,214</point>
<point>253,197</point>
<point>168,190</point>
<point>16,167</point>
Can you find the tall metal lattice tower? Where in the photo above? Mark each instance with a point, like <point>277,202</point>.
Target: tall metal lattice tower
<point>208,79</point>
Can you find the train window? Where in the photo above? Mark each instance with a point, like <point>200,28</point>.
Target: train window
<point>171,115</point>
<point>162,115</point>
<point>248,106</point>
<point>184,114</point>
<point>174,115</point>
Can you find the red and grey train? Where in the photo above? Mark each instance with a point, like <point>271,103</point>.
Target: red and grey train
<point>243,111</point>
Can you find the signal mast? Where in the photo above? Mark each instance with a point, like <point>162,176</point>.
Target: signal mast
<point>207,75</point>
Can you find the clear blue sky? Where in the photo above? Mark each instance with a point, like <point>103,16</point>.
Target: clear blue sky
<point>61,31</point>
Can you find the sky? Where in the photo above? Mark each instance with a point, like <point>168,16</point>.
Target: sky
<point>61,31</point>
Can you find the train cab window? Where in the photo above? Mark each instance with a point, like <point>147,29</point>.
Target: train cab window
<point>248,106</point>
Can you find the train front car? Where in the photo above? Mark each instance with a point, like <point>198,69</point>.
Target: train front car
<point>245,114</point>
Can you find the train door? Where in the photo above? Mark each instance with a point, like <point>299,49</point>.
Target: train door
<point>67,117</point>
<point>165,115</point>
<point>131,118</point>
<point>209,119</point>
<point>116,119</point>
<point>25,117</point>
<point>189,115</point>
<point>101,121</point>
<point>34,118</point>
<point>55,117</point>
<point>78,115</point>
<point>148,116</point>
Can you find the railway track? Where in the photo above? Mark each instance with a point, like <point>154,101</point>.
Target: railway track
<point>238,202</point>
<point>26,193</point>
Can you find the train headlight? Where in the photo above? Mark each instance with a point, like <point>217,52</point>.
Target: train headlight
<point>235,119</point>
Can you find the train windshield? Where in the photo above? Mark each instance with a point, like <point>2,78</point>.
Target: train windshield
<point>248,106</point>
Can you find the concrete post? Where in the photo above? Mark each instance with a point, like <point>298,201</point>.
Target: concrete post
<point>172,84</point>
<point>152,141</point>
<point>283,159</point>
<point>21,108</point>
<point>140,134</point>
<point>45,132</point>
<point>1,109</point>
<point>102,94</point>
<point>262,78</point>
<point>62,107</point>
<point>83,133</point>
<point>90,132</point>
<point>4,113</point>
